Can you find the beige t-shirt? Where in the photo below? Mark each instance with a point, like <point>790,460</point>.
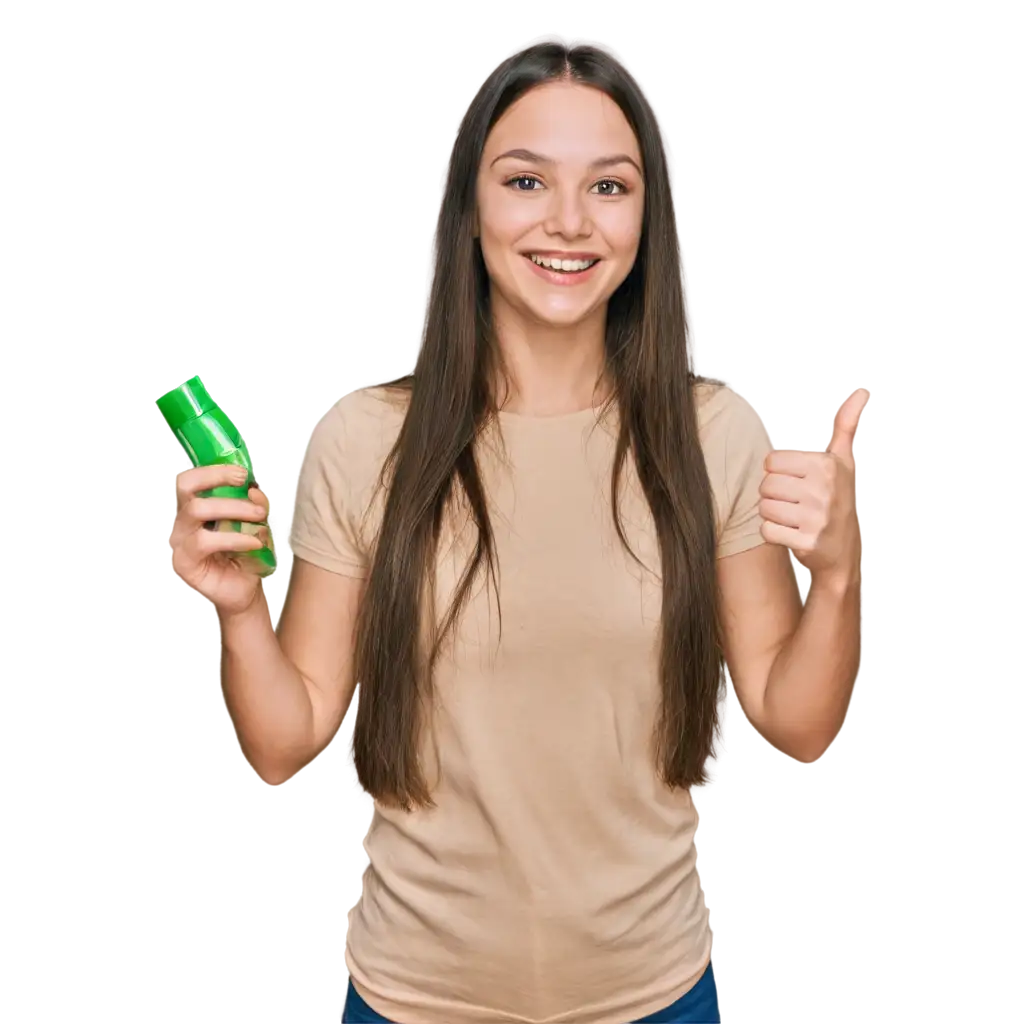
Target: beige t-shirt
<point>556,879</point>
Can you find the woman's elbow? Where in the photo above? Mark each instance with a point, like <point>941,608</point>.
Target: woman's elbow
<point>809,748</point>
<point>274,772</point>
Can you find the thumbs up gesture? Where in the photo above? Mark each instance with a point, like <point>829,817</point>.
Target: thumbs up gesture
<point>807,501</point>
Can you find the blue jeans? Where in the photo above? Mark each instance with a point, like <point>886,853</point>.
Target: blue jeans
<point>698,1006</point>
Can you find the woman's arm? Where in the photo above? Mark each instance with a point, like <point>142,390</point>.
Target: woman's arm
<point>794,667</point>
<point>287,690</point>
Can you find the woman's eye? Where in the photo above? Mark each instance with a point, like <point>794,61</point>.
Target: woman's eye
<point>523,177</point>
<point>618,184</point>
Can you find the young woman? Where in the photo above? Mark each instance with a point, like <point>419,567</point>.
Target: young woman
<point>533,555</point>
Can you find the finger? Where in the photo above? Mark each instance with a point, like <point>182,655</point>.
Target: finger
<point>203,543</point>
<point>790,463</point>
<point>256,495</point>
<point>785,537</point>
<point>782,487</point>
<point>783,513</point>
<point>203,478</point>
<point>845,425</point>
<point>204,510</point>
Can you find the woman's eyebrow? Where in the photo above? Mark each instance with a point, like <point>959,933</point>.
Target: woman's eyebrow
<point>536,158</point>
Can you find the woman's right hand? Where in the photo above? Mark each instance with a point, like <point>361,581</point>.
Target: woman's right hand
<point>201,554</point>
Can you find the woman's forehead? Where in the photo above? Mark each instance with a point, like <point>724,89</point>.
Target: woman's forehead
<point>565,123</point>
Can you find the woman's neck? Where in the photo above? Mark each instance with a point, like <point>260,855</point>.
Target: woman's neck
<point>554,369</point>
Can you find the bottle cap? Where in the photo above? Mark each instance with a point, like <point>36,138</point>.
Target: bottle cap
<point>184,403</point>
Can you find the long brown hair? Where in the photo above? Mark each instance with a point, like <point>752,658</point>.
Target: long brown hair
<point>648,369</point>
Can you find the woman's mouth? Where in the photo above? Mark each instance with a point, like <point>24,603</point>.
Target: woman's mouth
<point>563,265</point>
<point>562,271</point>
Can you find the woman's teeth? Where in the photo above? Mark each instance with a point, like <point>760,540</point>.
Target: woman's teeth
<point>566,266</point>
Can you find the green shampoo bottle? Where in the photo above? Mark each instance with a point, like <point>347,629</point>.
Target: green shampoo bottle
<point>209,438</point>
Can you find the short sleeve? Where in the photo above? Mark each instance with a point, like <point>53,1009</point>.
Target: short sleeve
<point>746,447</point>
<point>329,498</point>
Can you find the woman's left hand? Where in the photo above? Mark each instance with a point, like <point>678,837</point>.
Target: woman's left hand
<point>808,503</point>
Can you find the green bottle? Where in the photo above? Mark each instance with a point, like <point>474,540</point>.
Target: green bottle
<point>209,438</point>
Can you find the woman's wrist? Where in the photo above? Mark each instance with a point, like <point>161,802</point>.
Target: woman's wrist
<point>837,584</point>
<point>257,610</point>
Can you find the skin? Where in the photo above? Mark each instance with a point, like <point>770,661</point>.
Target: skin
<point>793,664</point>
<point>553,337</point>
<point>278,710</point>
<point>793,668</point>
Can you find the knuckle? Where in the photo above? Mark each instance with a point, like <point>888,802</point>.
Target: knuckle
<point>197,508</point>
<point>201,543</point>
<point>176,562</point>
<point>175,540</point>
<point>184,481</point>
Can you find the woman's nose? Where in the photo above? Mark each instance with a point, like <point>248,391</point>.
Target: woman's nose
<point>568,215</point>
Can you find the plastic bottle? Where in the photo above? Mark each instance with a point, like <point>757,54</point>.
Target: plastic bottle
<point>209,437</point>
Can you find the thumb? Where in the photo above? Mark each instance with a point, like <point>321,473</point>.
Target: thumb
<point>846,424</point>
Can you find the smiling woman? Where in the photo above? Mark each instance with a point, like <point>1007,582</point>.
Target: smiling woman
<point>532,851</point>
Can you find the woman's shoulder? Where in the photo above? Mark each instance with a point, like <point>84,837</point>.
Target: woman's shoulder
<point>355,434</point>
<point>720,407</point>
<point>734,442</point>
<point>368,414</point>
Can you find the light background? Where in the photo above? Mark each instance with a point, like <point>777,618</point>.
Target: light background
<point>186,188</point>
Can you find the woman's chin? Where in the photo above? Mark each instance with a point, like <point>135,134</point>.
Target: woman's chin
<point>560,314</point>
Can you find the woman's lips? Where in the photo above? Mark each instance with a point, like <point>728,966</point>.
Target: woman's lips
<point>555,277</point>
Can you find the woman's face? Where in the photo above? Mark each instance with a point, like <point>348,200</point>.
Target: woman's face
<point>561,178</point>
